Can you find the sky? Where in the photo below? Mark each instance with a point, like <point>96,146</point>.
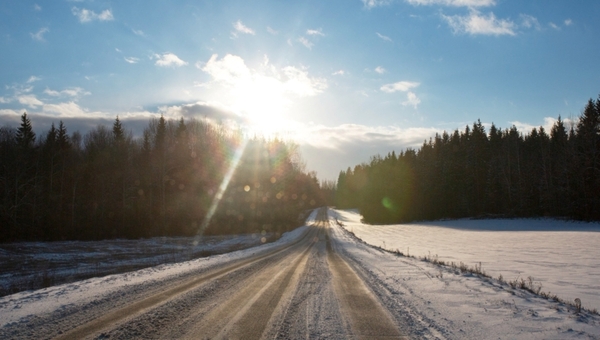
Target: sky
<point>343,79</point>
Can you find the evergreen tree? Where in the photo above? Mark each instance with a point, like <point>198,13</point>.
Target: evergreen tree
<point>25,136</point>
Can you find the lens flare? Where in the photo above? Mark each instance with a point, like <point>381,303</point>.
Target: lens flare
<point>219,195</point>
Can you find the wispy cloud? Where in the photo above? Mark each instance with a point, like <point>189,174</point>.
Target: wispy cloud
<point>241,28</point>
<point>402,86</point>
<point>555,26</point>
<point>306,43</point>
<point>478,24</point>
<point>386,38</point>
<point>272,31</point>
<point>411,100</point>
<point>138,32</point>
<point>132,60</point>
<point>69,92</point>
<point>5,100</point>
<point>30,100</point>
<point>168,60</point>
<point>454,3</point>
<point>33,79</point>
<point>375,3</point>
<point>339,73</point>
<point>568,22</point>
<point>39,35</point>
<point>380,70</point>
<point>37,7</point>
<point>529,21</point>
<point>315,32</point>
<point>85,15</point>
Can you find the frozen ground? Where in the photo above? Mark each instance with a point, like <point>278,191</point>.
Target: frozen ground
<point>562,256</point>
<point>34,265</point>
<point>452,305</point>
<point>428,301</point>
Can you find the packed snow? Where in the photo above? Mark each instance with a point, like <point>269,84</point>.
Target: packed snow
<point>26,304</point>
<point>562,256</point>
<point>434,302</point>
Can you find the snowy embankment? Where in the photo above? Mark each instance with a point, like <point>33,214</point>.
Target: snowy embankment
<point>447,303</point>
<point>34,265</point>
<point>562,256</point>
<point>21,306</point>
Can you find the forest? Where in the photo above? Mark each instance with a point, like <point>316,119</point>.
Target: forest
<point>478,173</point>
<point>181,178</point>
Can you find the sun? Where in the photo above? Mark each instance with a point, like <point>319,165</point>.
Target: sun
<point>263,101</point>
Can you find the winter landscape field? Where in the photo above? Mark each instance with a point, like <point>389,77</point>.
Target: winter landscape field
<point>426,301</point>
<point>561,256</point>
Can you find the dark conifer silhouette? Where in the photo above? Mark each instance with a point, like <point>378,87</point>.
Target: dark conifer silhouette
<point>476,173</point>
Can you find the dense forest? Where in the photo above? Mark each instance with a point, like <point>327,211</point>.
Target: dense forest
<point>180,178</point>
<point>474,173</point>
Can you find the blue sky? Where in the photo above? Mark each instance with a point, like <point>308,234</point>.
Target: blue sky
<point>345,79</point>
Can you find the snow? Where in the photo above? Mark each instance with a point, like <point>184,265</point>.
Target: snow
<point>466,306</point>
<point>562,256</point>
<point>21,305</point>
<point>26,265</point>
<point>434,302</point>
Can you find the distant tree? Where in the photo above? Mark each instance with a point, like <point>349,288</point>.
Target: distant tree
<point>25,136</point>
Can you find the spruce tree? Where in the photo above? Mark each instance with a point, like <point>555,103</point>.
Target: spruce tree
<point>25,136</point>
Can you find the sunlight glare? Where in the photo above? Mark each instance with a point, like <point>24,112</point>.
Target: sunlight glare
<point>219,195</point>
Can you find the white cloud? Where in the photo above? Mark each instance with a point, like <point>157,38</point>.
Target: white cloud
<point>375,3</point>
<point>568,22</point>
<point>339,73</point>
<point>315,32</point>
<point>306,43</point>
<point>168,60</point>
<point>380,70</point>
<point>454,3</point>
<point>555,26</point>
<point>269,82</point>
<point>69,92</point>
<point>411,100</point>
<point>529,21</point>
<point>272,31</point>
<point>386,38</point>
<point>33,79</point>
<point>240,27</point>
<point>200,110</point>
<point>37,7</point>
<point>30,100</point>
<point>476,23</point>
<point>404,86</point>
<point>5,100</point>
<point>39,35</point>
<point>399,86</point>
<point>86,15</point>
<point>138,32</point>
<point>132,60</point>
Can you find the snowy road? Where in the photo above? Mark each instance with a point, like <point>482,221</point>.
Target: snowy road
<point>316,282</point>
<point>304,289</point>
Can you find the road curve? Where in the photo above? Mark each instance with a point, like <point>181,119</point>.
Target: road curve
<point>304,290</point>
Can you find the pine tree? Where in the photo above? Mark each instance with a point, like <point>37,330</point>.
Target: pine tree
<point>25,136</point>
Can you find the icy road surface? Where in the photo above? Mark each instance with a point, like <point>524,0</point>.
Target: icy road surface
<point>316,282</point>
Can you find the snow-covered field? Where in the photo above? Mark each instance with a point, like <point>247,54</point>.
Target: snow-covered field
<point>33,265</point>
<point>562,256</point>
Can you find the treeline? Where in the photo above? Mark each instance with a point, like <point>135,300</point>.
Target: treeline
<point>475,173</point>
<point>180,178</point>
